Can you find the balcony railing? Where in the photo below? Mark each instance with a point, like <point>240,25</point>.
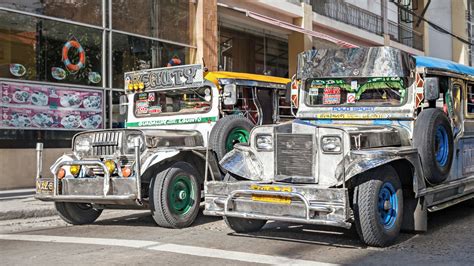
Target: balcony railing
<point>405,35</point>
<point>363,19</point>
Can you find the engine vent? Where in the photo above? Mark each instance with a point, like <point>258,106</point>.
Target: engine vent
<point>106,143</point>
<point>294,155</point>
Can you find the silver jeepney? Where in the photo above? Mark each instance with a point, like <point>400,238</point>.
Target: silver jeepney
<point>309,170</point>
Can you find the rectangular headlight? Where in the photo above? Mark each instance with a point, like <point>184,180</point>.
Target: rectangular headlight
<point>331,144</point>
<point>264,142</point>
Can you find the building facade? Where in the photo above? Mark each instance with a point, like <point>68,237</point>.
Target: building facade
<point>62,61</point>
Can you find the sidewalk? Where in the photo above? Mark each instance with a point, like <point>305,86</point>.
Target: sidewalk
<point>20,204</point>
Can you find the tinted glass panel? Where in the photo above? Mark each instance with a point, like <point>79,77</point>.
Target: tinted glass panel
<point>165,19</point>
<point>85,11</point>
<point>46,50</point>
<point>131,53</point>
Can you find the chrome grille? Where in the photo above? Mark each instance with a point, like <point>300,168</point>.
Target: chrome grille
<point>106,143</point>
<point>294,155</point>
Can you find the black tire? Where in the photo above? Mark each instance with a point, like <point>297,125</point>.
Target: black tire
<point>377,227</point>
<point>427,136</point>
<point>223,128</point>
<point>77,213</point>
<point>168,206</point>
<point>240,225</point>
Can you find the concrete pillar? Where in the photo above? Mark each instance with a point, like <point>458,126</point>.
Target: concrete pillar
<point>299,42</point>
<point>422,27</point>
<point>459,28</point>
<point>206,34</point>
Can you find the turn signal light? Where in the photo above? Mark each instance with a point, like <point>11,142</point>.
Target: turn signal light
<point>75,169</point>
<point>61,173</point>
<point>110,166</point>
<point>126,171</point>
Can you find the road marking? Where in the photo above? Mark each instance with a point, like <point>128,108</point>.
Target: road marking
<point>157,246</point>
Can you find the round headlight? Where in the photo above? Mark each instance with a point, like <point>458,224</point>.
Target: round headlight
<point>264,142</point>
<point>82,146</point>
<point>110,166</point>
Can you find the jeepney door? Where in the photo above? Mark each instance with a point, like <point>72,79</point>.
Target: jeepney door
<point>466,147</point>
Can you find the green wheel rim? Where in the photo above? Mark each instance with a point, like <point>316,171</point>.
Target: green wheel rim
<point>181,195</point>
<point>237,135</point>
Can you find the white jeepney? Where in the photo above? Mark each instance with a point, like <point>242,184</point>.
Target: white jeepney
<point>176,117</point>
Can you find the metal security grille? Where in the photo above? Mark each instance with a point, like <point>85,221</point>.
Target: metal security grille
<point>106,143</point>
<point>294,154</point>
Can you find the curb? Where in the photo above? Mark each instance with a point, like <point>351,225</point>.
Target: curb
<point>36,213</point>
<point>22,207</point>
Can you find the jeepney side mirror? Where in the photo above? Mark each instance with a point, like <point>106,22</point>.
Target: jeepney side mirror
<point>431,88</point>
<point>288,92</point>
<point>123,104</point>
<point>230,94</point>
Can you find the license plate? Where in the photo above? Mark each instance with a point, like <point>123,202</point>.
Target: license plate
<point>44,186</point>
<point>268,198</point>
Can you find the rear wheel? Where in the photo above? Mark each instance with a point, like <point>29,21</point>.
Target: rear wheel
<point>378,206</point>
<point>176,195</point>
<point>229,131</point>
<point>240,225</point>
<point>77,213</point>
<point>433,137</point>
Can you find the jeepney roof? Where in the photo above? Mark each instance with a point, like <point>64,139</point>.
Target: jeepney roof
<point>216,75</point>
<point>442,64</point>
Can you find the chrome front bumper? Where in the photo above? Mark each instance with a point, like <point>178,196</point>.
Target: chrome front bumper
<point>309,204</point>
<point>99,190</point>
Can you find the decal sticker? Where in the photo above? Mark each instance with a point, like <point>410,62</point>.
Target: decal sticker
<point>351,98</point>
<point>332,95</point>
<point>193,120</point>
<point>142,107</point>
<point>352,116</point>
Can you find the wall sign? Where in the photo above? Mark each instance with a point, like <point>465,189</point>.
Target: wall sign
<point>31,106</point>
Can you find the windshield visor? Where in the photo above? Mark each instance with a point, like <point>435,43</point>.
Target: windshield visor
<point>173,102</point>
<point>356,91</point>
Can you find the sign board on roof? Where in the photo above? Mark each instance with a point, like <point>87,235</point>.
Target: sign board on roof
<point>166,77</point>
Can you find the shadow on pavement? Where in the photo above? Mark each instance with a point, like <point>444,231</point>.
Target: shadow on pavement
<point>144,218</point>
<point>348,238</point>
<point>314,234</point>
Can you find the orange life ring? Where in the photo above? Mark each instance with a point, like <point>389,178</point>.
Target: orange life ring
<point>82,56</point>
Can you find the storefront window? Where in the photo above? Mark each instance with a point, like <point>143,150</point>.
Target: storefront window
<point>165,19</point>
<point>47,50</point>
<point>131,53</point>
<point>246,52</point>
<point>85,11</point>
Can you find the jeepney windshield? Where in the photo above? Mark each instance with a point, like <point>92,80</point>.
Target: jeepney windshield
<point>172,102</point>
<point>355,91</point>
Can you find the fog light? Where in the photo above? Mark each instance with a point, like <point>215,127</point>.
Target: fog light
<point>75,169</point>
<point>110,166</point>
<point>61,173</point>
<point>126,171</point>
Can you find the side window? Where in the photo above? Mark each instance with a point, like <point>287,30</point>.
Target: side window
<point>470,98</point>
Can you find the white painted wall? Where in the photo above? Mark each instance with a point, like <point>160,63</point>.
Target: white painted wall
<point>440,44</point>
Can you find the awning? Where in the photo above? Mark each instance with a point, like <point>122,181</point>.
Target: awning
<point>292,27</point>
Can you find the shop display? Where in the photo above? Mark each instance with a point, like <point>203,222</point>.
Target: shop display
<point>58,73</point>
<point>65,57</point>
<point>17,70</point>
<point>94,77</point>
<point>39,106</point>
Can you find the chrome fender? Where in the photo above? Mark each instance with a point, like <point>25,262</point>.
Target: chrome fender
<point>157,157</point>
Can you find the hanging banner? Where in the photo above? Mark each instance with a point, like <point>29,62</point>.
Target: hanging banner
<point>31,106</point>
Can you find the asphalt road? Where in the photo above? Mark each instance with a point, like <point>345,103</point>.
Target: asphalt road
<point>131,237</point>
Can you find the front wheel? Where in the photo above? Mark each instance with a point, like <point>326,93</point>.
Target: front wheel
<point>176,195</point>
<point>77,213</point>
<point>378,207</point>
<point>240,225</point>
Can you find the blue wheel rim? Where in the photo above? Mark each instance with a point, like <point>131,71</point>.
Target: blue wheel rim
<point>388,205</point>
<point>441,146</point>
